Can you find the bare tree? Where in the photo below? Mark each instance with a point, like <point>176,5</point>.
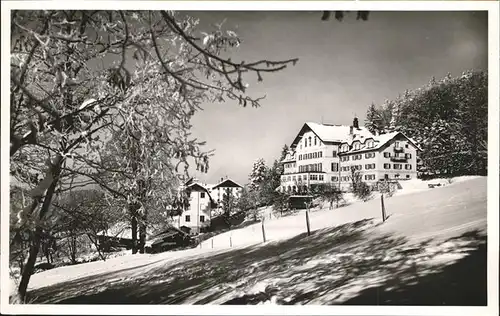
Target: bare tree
<point>79,78</point>
<point>360,188</point>
<point>330,193</point>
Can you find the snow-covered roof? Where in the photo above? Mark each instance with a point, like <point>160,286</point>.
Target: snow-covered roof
<point>331,133</point>
<point>201,186</point>
<point>382,139</point>
<point>336,133</point>
<point>342,134</point>
<point>379,141</point>
<point>227,183</point>
<point>197,184</point>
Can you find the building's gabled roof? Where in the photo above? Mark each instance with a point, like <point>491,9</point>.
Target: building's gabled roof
<point>330,133</point>
<point>227,183</point>
<point>380,140</point>
<point>191,181</point>
<point>197,186</point>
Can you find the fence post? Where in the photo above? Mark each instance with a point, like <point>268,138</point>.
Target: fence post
<point>307,223</point>
<point>230,241</point>
<point>263,230</point>
<point>212,243</point>
<point>383,207</point>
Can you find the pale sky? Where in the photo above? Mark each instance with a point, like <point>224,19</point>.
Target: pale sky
<point>343,68</point>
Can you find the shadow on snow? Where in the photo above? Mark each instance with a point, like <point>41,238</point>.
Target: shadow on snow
<point>341,265</point>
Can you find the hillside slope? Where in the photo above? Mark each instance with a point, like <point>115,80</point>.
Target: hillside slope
<point>431,251</point>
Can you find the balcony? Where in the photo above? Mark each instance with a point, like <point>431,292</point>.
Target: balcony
<point>398,149</point>
<point>399,159</point>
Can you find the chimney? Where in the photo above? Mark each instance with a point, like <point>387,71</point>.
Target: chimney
<point>221,179</point>
<point>355,123</point>
<point>350,130</point>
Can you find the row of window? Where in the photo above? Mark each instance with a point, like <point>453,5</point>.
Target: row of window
<point>397,166</point>
<point>357,145</point>
<point>188,218</point>
<point>317,177</point>
<point>347,178</point>
<point>335,167</point>
<point>315,155</point>
<point>290,165</point>
<point>397,145</point>
<point>358,167</point>
<point>369,177</point>
<point>320,177</point>
<point>357,157</point>
<point>368,144</point>
<point>319,154</point>
<point>348,168</point>
<point>397,155</point>
<point>308,140</point>
<point>315,167</point>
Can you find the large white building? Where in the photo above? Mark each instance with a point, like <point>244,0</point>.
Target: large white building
<point>323,153</point>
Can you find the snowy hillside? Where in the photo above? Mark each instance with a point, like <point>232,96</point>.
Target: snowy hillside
<point>286,227</point>
<point>348,251</point>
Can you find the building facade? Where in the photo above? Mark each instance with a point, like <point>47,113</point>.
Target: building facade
<point>322,153</point>
<point>225,185</point>
<point>205,203</point>
<point>199,212</point>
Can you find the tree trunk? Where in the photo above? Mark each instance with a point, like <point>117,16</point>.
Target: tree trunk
<point>96,244</point>
<point>47,254</point>
<point>35,246</point>
<point>30,264</point>
<point>142,233</point>
<point>134,234</point>
<point>73,249</point>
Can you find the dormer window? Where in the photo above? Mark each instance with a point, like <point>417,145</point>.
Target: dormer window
<point>357,145</point>
<point>369,143</point>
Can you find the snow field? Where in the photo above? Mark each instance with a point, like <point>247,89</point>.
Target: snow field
<point>413,216</point>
